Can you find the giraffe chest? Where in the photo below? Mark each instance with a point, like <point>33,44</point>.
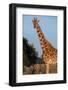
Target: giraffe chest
<point>51,56</point>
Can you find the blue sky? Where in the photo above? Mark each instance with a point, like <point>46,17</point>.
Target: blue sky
<point>48,25</point>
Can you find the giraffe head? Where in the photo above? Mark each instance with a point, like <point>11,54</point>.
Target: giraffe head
<point>35,22</point>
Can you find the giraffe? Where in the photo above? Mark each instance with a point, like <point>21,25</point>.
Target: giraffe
<point>49,53</point>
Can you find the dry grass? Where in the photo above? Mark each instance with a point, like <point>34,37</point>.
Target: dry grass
<point>40,69</point>
<point>53,68</point>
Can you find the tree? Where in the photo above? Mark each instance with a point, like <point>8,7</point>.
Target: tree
<point>29,53</point>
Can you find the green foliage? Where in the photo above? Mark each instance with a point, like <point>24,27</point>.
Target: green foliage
<point>29,53</point>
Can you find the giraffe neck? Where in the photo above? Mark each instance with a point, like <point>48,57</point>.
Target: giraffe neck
<point>44,43</point>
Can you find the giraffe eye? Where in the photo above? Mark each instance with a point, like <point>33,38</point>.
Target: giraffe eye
<point>38,31</point>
